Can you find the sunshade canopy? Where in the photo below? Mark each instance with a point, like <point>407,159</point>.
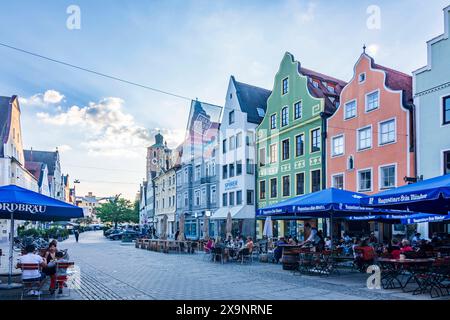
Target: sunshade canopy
<point>321,204</point>
<point>25,204</point>
<point>430,196</point>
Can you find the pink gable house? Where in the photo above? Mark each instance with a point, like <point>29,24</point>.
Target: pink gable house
<point>370,139</point>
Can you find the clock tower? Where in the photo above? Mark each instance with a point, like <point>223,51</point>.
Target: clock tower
<point>158,157</point>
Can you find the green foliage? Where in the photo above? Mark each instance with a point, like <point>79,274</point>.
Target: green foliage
<point>30,233</point>
<point>117,211</point>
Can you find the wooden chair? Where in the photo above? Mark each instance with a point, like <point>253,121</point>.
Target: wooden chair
<point>62,275</point>
<point>31,285</point>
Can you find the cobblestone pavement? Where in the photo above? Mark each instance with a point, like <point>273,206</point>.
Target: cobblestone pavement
<point>110,270</point>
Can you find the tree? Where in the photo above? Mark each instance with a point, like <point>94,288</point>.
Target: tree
<point>117,211</point>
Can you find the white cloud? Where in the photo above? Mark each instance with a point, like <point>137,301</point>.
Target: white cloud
<point>108,129</point>
<point>41,100</point>
<point>64,148</point>
<point>303,12</point>
<point>53,97</point>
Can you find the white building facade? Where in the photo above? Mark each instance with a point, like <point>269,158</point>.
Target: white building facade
<point>244,109</point>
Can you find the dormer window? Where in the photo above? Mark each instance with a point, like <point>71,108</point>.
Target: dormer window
<point>231,117</point>
<point>362,77</point>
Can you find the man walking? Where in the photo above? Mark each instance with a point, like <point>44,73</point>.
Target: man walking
<point>76,234</point>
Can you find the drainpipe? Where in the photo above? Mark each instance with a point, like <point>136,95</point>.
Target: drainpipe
<point>412,132</point>
<point>324,149</point>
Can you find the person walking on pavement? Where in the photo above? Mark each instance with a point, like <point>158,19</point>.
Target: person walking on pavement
<point>77,234</point>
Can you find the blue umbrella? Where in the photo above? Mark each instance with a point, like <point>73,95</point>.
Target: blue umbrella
<point>430,196</point>
<point>423,217</point>
<point>17,203</point>
<point>323,204</point>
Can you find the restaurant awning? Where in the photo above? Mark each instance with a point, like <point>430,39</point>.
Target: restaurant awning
<point>430,196</point>
<point>422,217</point>
<point>237,213</point>
<point>321,204</point>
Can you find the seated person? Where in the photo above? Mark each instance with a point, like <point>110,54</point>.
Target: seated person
<point>372,238</point>
<point>278,252</point>
<point>60,275</point>
<point>209,246</point>
<point>31,258</point>
<point>365,255</point>
<point>313,238</point>
<point>436,241</point>
<point>406,247</point>
<point>416,240</point>
<point>394,249</point>
<point>249,245</point>
<point>424,248</point>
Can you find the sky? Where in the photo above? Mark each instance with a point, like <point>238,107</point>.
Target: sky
<point>187,47</point>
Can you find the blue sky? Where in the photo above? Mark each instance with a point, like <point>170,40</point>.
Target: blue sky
<point>187,47</point>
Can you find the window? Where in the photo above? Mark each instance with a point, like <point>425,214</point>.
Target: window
<point>231,198</point>
<point>387,177</point>
<point>231,117</point>
<point>231,170</point>
<point>387,132</point>
<point>273,188</point>
<point>273,153</point>
<point>447,162</point>
<point>337,146</point>
<point>232,143</point>
<point>300,183</point>
<point>261,112</point>
<point>298,112</point>
<point>250,197</point>
<point>286,186</point>
<point>273,121</point>
<point>300,145</point>
<point>315,140</point>
<point>224,146</point>
<point>239,197</point>
<point>315,180</point>
<point>239,168</point>
<point>338,181</point>
<point>315,84</point>
<point>365,138</point>
<point>250,166</point>
<point>197,197</point>
<point>239,140</point>
<point>285,150</point>
<point>186,199</point>
<point>446,111</point>
<point>262,157</point>
<point>372,101</point>
<point>186,175</point>
<point>225,172</point>
<point>365,180</point>
<point>362,77</point>
<point>203,197</point>
<point>350,109</point>
<point>262,190</point>
<point>284,116</point>
<point>197,173</point>
<point>225,200</point>
<point>285,85</point>
<point>213,194</point>
<point>249,138</point>
<point>330,88</point>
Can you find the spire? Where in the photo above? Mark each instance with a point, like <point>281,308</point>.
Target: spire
<point>364,48</point>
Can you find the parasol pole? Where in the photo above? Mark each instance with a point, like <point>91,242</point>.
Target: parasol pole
<point>11,248</point>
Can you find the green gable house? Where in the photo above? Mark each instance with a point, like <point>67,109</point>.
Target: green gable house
<point>291,139</point>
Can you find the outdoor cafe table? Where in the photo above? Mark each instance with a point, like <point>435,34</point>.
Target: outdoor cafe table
<point>393,270</point>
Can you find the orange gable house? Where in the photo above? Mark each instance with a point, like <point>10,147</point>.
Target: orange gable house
<point>370,140</point>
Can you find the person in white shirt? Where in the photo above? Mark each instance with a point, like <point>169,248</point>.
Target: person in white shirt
<point>31,258</point>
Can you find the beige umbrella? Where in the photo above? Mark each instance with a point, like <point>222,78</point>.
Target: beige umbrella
<point>229,225</point>
<point>181,228</point>
<point>164,228</point>
<point>206,227</point>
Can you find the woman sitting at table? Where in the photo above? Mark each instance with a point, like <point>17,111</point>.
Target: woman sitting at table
<point>278,251</point>
<point>365,255</point>
<point>209,246</point>
<point>406,247</point>
<point>393,250</point>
